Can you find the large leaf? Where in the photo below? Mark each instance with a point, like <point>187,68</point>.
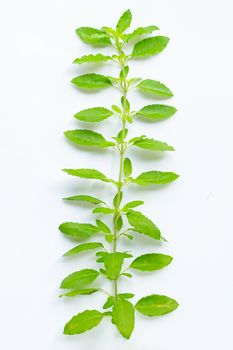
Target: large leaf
<point>123,317</point>
<point>79,279</point>
<point>155,177</point>
<point>124,21</point>
<point>156,305</point>
<point>150,46</point>
<point>87,174</point>
<point>93,115</point>
<point>91,81</point>
<point>77,292</point>
<point>151,262</point>
<point>93,36</point>
<point>92,58</point>
<point>84,198</point>
<point>140,31</point>
<point>83,322</point>
<point>83,247</point>
<point>155,112</point>
<point>155,87</point>
<point>142,224</point>
<point>77,230</point>
<point>153,145</point>
<point>113,264</point>
<point>87,138</point>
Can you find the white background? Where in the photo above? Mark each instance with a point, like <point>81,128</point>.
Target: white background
<point>38,44</point>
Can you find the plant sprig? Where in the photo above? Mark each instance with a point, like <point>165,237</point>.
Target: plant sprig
<point>119,305</point>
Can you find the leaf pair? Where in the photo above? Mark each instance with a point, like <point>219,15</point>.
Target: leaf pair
<point>123,315</point>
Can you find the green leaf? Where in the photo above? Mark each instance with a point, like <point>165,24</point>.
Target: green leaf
<point>109,302</point>
<point>124,21</point>
<point>155,177</point>
<point>156,305</point>
<point>77,230</point>
<point>79,279</point>
<point>143,225</point>
<point>155,112</point>
<point>151,262</point>
<point>127,167</point>
<point>103,211</point>
<point>92,59</point>
<point>83,322</point>
<point>126,295</point>
<point>119,223</point>
<point>140,31</point>
<point>91,81</point>
<point>83,247</point>
<point>102,226</point>
<point>117,199</point>
<point>93,36</point>
<point>87,138</point>
<point>113,264</point>
<point>123,317</point>
<point>93,115</point>
<point>87,174</point>
<point>131,205</point>
<point>124,72</point>
<point>74,293</point>
<point>84,198</point>
<point>153,145</point>
<point>150,46</point>
<point>155,87</point>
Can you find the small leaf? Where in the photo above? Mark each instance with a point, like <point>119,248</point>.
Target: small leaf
<point>74,293</point>
<point>83,247</point>
<point>150,46</point>
<point>102,226</point>
<point>155,87</point>
<point>116,109</point>
<point>124,21</point>
<point>156,305</point>
<point>126,295</point>
<point>131,205</point>
<point>79,279</point>
<point>93,115</point>
<point>119,223</point>
<point>122,135</point>
<point>124,72</point>
<point>142,224</point>
<point>151,262</point>
<point>77,230</point>
<point>109,302</point>
<point>153,145</point>
<point>113,264</point>
<point>83,322</point>
<point>91,81</point>
<point>87,138</point>
<point>155,112</point>
<point>126,274</point>
<point>103,211</point>
<point>117,199</point>
<point>125,104</point>
<point>87,174</point>
<point>155,177</point>
<point>92,59</point>
<point>84,198</point>
<point>127,167</point>
<point>93,36</point>
<point>123,317</point>
<point>140,31</point>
